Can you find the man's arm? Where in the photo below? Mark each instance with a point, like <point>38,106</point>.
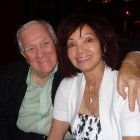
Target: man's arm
<point>4,135</point>
<point>129,75</point>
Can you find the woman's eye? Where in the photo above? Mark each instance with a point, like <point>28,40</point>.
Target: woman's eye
<point>70,45</point>
<point>89,40</point>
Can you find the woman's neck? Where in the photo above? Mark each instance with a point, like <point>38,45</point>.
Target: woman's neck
<point>94,78</point>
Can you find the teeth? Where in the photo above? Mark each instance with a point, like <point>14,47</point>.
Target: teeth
<point>84,58</point>
<point>45,60</point>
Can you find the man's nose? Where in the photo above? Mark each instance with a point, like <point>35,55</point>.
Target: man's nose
<point>40,53</point>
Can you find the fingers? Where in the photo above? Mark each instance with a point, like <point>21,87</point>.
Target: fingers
<point>132,92</point>
<point>121,86</point>
<point>138,97</point>
<point>122,91</point>
<point>130,79</point>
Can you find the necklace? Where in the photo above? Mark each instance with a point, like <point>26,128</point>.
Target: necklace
<point>90,100</point>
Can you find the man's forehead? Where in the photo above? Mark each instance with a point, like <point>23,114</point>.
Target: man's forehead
<point>37,26</point>
<point>35,29</point>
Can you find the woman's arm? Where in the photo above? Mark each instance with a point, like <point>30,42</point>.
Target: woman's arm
<point>131,138</point>
<point>129,75</point>
<point>58,130</point>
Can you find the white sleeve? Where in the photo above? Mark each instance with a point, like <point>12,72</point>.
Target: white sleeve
<point>129,121</point>
<point>60,104</point>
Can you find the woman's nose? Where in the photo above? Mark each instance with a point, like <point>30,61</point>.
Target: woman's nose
<point>80,48</point>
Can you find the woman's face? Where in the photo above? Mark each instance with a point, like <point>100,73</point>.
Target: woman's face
<point>84,49</point>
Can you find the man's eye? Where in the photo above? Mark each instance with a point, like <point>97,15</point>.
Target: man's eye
<point>30,49</point>
<point>45,43</point>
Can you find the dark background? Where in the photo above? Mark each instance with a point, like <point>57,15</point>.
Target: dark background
<point>123,14</point>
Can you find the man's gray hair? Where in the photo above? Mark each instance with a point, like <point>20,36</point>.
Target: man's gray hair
<point>26,25</point>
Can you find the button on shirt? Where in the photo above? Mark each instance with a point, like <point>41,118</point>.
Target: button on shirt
<point>35,114</point>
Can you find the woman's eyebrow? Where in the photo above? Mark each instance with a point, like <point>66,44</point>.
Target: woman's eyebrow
<point>87,34</point>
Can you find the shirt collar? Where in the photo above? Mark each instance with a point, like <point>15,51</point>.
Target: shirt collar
<point>29,80</point>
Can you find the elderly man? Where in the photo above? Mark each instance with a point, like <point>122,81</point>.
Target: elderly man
<point>27,108</point>
<point>28,87</point>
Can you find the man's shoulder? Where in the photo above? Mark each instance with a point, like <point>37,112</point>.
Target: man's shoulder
<point>16,67</point>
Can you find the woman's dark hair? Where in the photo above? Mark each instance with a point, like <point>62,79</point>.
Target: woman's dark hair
<point>104,32</point>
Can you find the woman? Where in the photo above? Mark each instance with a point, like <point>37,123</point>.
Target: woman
<point>88,100</point>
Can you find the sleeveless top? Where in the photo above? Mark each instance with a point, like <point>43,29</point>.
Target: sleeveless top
<point>87,127</point>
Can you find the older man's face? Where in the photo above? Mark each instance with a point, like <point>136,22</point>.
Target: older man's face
<point>39,49</point>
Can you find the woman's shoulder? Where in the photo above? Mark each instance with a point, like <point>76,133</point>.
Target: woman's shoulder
<point>110,75</point>
<point>72,83</point>
<point>68,80</point>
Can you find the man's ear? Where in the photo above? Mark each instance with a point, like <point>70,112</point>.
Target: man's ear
<point>23,54</point>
